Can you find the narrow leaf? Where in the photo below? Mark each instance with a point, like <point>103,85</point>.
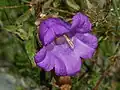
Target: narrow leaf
<point>72,4</point>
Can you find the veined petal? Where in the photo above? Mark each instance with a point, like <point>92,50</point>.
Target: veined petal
<point>44,59</point>
<point>48,37</point>
<point>88,39</point>
<point>62,58</point>
<point>85,47</point>
<point>60,68</point>
<point>70,59</point>
<point>48,63</point>
<point>81,23</point>
<point>40,55</point>
<point>52,27</point>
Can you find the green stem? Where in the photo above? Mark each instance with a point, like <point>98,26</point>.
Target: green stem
<point>10,7</point>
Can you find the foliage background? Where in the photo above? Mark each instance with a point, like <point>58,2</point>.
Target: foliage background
<point>19,42</point>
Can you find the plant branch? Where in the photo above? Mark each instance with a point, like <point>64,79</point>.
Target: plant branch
<point>10,7</point>
<point>100,80</point>
<point>106,72</point>
<point>59,10</point>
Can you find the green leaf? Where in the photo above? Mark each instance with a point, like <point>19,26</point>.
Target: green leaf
<point>10,28</point>
<point>30,46</point>
<point>17,30</point>
<point>22,34</point>
<point>3,2</point>
<point>56,3</point>
<point>24,17</point>
<point>1,23</point>
<point>72,4</point>
<point>33,11</point>
<point>107,47</point>
<point>46,5</point>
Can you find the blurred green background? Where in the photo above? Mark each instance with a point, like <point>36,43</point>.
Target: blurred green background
<point>19,43</point>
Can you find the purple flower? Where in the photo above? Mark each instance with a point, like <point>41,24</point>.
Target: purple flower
<point>65,45</point>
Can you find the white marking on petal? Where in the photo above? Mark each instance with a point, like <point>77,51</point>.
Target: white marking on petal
<point>71,44</point>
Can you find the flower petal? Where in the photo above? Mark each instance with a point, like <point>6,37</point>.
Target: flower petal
<point>61,57</point>
<point>48,63</point>
<point>81,23</point>
<point>60,68</point>
<point>84,47</point>
<point>48,37</point>
<point>40,55</point>
<point>88,39</point>
<point>44,60</point>
<point>52,27</point>
<point>70,59</point>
